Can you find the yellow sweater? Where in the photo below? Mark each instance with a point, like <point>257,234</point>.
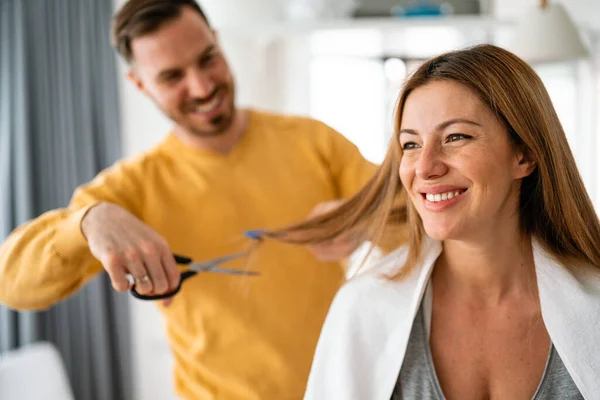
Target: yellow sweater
<point>232,337</point>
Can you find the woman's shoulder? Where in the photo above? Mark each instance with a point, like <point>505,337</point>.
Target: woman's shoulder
<point>371,283</point>
<point>372,264</point>
<point>576,275</point>
<point>359,340</point>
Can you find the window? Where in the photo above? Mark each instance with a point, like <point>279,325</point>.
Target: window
<point>354,89</point>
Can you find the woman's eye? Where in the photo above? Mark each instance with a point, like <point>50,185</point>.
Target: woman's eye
<point>409,146</point>
<point>457,136</point>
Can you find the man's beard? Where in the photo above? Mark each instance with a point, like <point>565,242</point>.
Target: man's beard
<point>218,125</point>
<point>221,123</point>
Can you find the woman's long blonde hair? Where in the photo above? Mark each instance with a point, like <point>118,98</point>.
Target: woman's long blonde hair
<point>554,206</point>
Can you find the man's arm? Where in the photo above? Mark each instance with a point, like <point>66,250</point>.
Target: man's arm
<point>349,169</point>
<point>49,258</point>
<point>45,260</point>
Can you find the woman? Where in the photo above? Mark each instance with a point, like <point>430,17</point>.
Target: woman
<point>497,293</point>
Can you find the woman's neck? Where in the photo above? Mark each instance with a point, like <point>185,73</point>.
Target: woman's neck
<point>487,270</point>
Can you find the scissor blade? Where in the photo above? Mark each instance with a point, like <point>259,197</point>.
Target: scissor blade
<point>233,271</point>
<point>216,261</point>
<point>203,267</point>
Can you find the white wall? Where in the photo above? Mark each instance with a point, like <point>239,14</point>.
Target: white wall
<point>585,12</point>
<point>586,136</point>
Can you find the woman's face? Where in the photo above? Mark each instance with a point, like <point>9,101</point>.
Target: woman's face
<point>458,166</point>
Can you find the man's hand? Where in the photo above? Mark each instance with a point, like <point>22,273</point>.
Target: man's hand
<point>125,245</point>
<point>339,248</point>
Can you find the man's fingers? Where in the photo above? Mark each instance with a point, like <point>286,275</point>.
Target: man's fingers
<point>115,267</point>
<point>119,280</point>
<point>325,207</point>
<point>124,244</point>
<point>153,263</point>
<point>141,277</point>
<point>171,271</point>
<point>336,249</point>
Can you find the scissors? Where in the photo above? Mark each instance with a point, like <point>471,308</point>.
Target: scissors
<point>196,267</point>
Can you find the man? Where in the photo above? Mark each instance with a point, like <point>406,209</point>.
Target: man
<point>220,171</point>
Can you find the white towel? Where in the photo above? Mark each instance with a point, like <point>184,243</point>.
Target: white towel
<point>364,338</point>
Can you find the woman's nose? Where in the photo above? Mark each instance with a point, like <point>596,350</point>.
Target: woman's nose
<point>430,164</point>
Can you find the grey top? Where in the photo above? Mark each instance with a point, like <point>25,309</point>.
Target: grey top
<point>418,379</point>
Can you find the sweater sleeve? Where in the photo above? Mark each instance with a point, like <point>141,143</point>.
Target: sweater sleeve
<point>47,259</point>
<point>350,170</point>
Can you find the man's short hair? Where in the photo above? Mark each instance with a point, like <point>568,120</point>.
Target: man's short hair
<point>140,17</point>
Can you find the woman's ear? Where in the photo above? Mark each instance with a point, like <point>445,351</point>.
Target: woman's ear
<point>525,164</point>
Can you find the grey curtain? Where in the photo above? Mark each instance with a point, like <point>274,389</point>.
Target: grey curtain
<point>59,125</point>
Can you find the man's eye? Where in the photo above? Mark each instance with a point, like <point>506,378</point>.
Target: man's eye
<point>171,77</point>
<point>206,60</point>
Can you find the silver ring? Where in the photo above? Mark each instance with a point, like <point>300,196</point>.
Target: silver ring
<point>144,279</point>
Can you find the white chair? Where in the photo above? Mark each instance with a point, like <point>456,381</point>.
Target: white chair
<point>34,372</point>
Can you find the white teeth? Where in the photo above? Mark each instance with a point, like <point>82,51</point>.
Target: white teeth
<point>208,106</point>
<point>434,198</point>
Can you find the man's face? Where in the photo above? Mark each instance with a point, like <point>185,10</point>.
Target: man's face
<point>181,68</point>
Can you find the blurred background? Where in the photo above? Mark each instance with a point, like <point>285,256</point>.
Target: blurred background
<point>341,61</point>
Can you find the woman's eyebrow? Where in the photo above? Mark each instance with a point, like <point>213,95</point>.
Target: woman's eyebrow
<point>443,125</point>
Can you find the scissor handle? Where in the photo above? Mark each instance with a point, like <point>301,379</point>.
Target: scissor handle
<point>184,275</point>
<point>182,259</point>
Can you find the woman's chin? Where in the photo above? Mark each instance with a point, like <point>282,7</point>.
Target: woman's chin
<point>439,232</point>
